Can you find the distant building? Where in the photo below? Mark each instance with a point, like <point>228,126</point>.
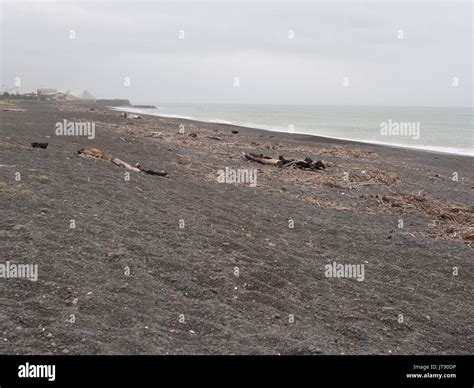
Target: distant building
<point>47,92</point>
<point>82,95</point>
<point>66,95</point>
<point>61,96</point>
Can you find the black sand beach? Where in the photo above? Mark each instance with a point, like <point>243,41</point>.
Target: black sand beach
<point>182,295</point>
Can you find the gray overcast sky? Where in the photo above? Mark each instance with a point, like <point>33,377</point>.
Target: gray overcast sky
<point>251,41</point>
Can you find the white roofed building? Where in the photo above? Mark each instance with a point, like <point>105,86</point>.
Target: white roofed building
<point>81,95</point>
<point>46,92</point>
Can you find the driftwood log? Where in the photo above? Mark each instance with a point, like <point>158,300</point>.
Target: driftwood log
<point>39,145</point>
<point>306,164</point>
<point>263,159</point>
<point>125,165</point>
<point>98,154</point>
<point>151,172</point>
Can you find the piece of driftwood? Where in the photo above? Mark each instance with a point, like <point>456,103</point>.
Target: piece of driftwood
<point>319,165</point>
<point>154,134</point>
<point>151,172</point>
<point>215,138</point>
<point>305,164</point>
<point>125,165</point>
<point>98,154</point>
<point>267,160</point>
<point>13,110</point>
<point>39,145</point>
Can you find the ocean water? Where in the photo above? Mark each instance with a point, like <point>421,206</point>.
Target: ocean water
<point>448,130</point>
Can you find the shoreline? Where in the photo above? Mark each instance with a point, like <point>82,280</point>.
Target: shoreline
<point>136,110</point>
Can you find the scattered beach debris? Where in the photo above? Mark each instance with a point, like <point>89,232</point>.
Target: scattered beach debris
<point>92,153</point>
<point>423,203</point>
<point>306,164</point>
<point>273,147</point>
<point>468,235</point>
<point>98,154</point>
<point>155,134</point>
<point>370,176</point>
<point>281,161</point>
<point>39,145</point>
<point>192,134</point>
<point>215,138</point>
<point>130,115</point>
<point>451,221</point>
